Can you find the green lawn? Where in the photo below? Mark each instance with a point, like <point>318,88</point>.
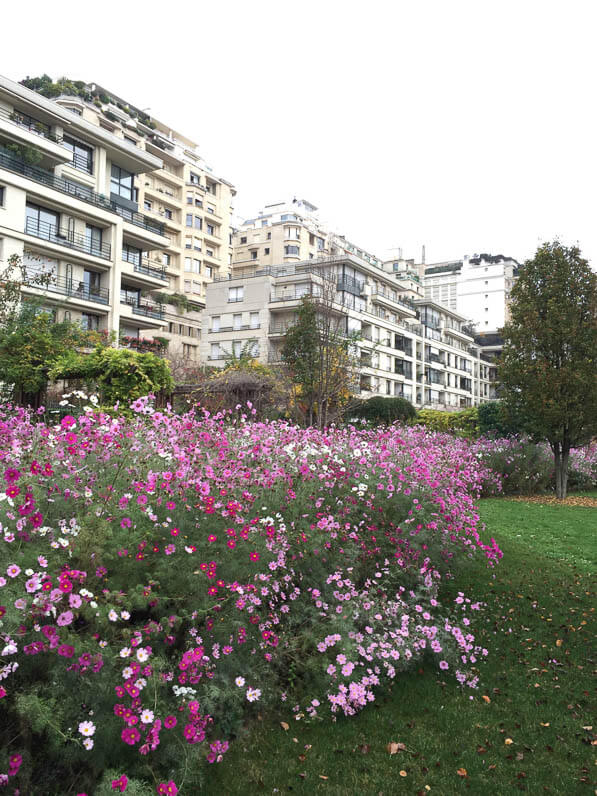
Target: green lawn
<point>528,734</point>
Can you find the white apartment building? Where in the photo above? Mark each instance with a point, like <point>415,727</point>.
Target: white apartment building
<point>74,173</point>
<point>477,287</point>
<point>407,345</point>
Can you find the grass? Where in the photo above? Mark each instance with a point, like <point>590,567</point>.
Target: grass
<point>528,727</point>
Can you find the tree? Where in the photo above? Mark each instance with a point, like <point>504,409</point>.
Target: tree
<point>30,339</point>
<point>319,353</point>
<point>384,410</point>
<point>548,369</point>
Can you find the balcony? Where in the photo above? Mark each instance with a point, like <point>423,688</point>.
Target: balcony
<point>63,237</point>
<point>65,286</point>
<point>12,163</point>
<point>281,328</point>
<point>394,299</point>
<point>29,123</point>
<point>139,307</point>
<point>291,295</point>
<point>148,270</point>
<point>138,219</point>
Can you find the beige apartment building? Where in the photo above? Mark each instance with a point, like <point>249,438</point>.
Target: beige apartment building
<point>407,345</point>
<point>119,208</point>
<point>289,232</point>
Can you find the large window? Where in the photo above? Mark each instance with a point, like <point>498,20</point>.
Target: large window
<point>82,154</point>
<point>291,250</point>
<point>40,221</point>
<point>194,178</point>
<point>121,183</point>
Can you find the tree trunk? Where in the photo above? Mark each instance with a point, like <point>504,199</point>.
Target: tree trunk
<point>558,466</point>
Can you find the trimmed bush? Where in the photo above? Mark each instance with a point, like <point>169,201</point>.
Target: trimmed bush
<point>380,410</point>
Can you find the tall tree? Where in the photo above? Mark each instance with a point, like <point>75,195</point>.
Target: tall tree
<point>548,369</point>
<point>320,355</point>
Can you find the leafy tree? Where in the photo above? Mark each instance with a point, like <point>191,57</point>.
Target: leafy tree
<point>494,422</point>
<point>319,354</point>
<point>548,370</point>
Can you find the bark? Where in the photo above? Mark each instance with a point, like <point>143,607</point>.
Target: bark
<point>561,452</point>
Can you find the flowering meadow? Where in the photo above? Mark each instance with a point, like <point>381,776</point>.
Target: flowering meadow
<point>165,578</point>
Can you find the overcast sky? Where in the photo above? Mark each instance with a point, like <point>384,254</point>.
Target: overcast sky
<point>465,126</point>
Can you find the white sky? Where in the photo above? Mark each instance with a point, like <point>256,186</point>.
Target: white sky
<point>467,126</point>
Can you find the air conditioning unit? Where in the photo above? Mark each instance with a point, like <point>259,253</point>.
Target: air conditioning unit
<point>366,290</point>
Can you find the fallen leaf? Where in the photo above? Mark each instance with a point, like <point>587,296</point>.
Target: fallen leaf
<point>321,776</point>
<point>462,772</point>
<point>403,773</point>
<point>365,749</point>
<point>284,725</point>
<point>519,756</point>
<point>544,723</point>
<point>393,748</point>
<point>559,642</point>
<point>486,699</point>
<point>302,758</point>
<point>508,741</point>
<point>295,740</point>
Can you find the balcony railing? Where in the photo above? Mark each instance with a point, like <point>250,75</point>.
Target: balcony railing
<point>156,273</point>
<point>66,286</point>
<point>15,164</point>
<point>30,124</point>
<point>138,219</point>
<point>384,294</point>
<point>349,284</point>
<point>64,237</point>
<point>141,308</point>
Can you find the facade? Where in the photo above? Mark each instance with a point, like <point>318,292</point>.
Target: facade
<point>75,213</point>
<point>407,345</point>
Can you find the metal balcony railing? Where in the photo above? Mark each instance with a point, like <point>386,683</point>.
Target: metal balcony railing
<point>67,286</point>
<point>17,165</point>
<point>141,308</point>
<point>349,284</point>
<point>30,124</point>
<point>138,219</point>
<point>67,238</point>
<point>156,273</point>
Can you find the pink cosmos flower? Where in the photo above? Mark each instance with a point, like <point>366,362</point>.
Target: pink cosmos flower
<point>13,570</point>
<point>168,788</point>
<point>65,618</point>
<point>120,783</point>
<point>170,722</point>
<point>130,736</point>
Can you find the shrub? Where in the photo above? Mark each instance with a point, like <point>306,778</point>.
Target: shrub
<point>380,410</point>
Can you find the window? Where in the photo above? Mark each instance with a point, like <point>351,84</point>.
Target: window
<point>264,223</point>
<point>93,238</point>
<point>188,243</point>
<point>237,348</point>
<point>188,351</point>
<point>130,140</point>
<point>82,154</point>
<point>131,255</point>
<point>209,252</point>
<point>196,266</point>
<point>194,178</point>
<point>269,235</point>
<point>288,218</point>
<point>189,221</point>
<point>167,213</point>
<point>235,294</point>
<point>253,255</point>
<point>197,287</point>
<point>254,320</point>
<point>215,323</point>
<point>215,351</point>
<point>2,191</point>
<point>198,202</point>
<point>266,251</point>
<point>188,264</point>
<point>237,322</point>
<point>197,245</point>
<point>208,270</point>
<point>198,222</point>
<point>189,198</point>
<point>211,209</point>
<point>243,239</point>
<point>41,222</point>
<point>291,250</point>
<point>89,321</point>
<point>166,258</point>
<point>121,183</point>
<point>211,230</point>
<point>146,204</point>
<point>187,285</point>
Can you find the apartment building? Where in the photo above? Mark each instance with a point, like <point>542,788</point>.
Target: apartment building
<point>289,232</point>
<point>478,287</point>
<point>406,345</point>
<point>109,160</point>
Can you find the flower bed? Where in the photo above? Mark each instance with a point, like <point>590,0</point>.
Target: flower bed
<point>166,578</point>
